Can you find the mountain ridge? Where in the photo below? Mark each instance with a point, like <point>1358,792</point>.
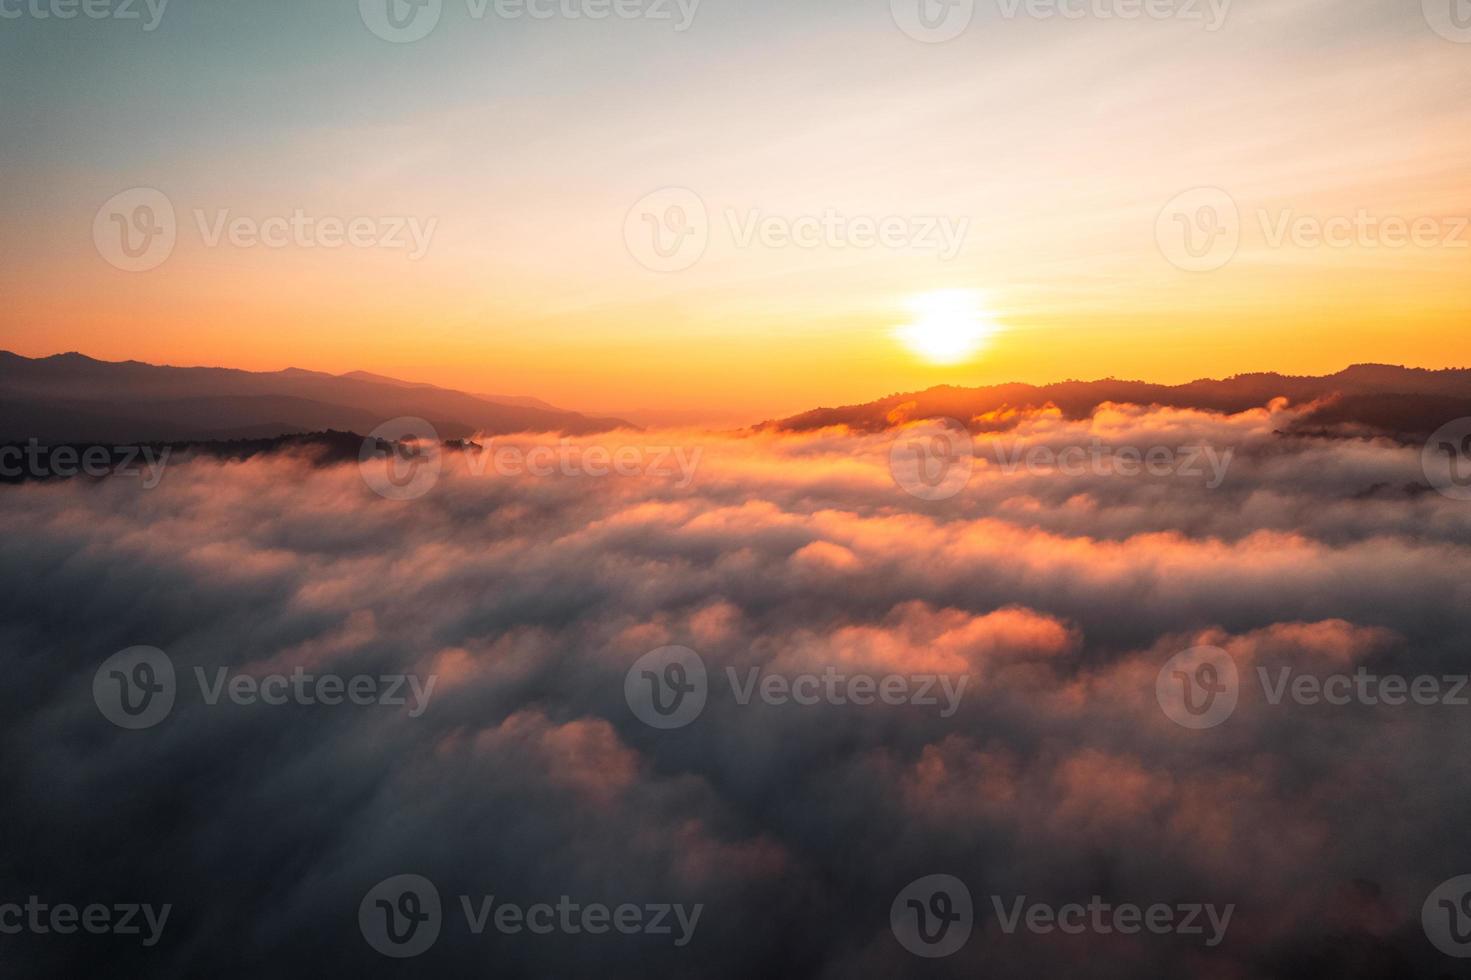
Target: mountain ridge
<point>1360,399</point>
<point>72,397</point>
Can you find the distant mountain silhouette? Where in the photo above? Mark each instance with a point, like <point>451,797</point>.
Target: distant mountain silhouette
<point>1365,399</point>
<point>523,400</point>
<point>74,398</point>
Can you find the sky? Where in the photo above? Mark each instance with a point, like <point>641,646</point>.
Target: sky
<point>1062,196</point>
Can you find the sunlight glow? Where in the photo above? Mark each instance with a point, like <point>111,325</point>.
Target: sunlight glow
<point>949,325</point>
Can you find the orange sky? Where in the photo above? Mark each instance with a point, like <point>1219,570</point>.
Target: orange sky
<point>1057,145</point>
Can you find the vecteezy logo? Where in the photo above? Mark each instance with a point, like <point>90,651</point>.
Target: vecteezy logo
<point>666,688</point>
<point>1446,917</point>
<point>136,230</point>
<point>134,688</point>
<point>933,21</point>
<point>1446,459</point>
<point>400,459</point>
<point>400,916</point>
<point>401,21</point>
<point>932,916</point>
<point>1198,688</point>
<point>1451,19</point>
<point>668,230</point>
<point>1199,230</point>
<point>932,460</point>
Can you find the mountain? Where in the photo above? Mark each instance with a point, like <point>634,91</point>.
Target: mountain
<point>74,398</point>
<point>522,400</point>
<point>1365,399</point>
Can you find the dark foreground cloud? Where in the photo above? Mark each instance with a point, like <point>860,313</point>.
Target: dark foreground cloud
<point>990,671</point>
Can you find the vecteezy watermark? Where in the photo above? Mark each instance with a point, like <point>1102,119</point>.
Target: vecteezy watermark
<point>298,229</point>
<point>65,919</point>
<point>1200,688</point>
<point>137,230</point>
<point>406,21</point>
<point>136,688</point>
<point>937,21</point>
<point>1105,918</point>
<point>1100,459</point>
<point>1211,14</point>
<point>669,230</point>
<point>402,459</point>
<point>401,21</point>
<point>148,12</point>
<point>933,916</point>
<point>935,459</point>
<point>833,230</point>
<point>403,916</point>
<point>1446,459</point>
<point>933,21</point>
<point>300,687</point>
<point>1363,687</point>
<point>38,462</point>
<point>1362,229</point>
<point>1200,230</point>
<point>1451,19</point>
<point>1446,917</point>
<point>568,458</point>
<point>839,688</point>
<point>668,688</point>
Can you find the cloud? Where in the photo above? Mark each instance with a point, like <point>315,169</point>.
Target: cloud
<point>1058,596</point>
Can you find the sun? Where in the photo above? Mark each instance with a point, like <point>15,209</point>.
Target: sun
<point>948,325</point>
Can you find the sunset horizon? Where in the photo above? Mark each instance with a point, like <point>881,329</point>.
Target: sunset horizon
<point>455,207</point>
<point>659,414</point>
<point>724,489</point>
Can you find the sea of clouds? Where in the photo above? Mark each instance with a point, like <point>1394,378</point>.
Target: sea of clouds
<point>527,774</point>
